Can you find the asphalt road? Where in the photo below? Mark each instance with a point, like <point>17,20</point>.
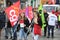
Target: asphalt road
<point>56,37</point>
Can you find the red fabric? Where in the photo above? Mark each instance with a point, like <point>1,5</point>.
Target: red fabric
<point>30,14</point>
<point>21,21</point>
<point>37,29</point>
<point>13,12</point>
<point>56,13</point>
<point>53,11</point>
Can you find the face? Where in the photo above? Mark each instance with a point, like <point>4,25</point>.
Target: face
<point>22,14</point>
<point>45,11</point>
<point>35,15</point>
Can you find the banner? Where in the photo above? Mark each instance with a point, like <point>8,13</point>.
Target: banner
<point>40,9</point>
<point>26,12</point>
<point>13,12</point>
<point>30,13</point>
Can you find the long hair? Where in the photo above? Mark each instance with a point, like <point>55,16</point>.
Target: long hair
<point>24,16</point>
<point>37,14</point>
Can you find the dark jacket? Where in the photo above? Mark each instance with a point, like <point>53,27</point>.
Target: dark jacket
<point>2,16</point>
<point>39,22</point>
<point>8,24</point>
<point>26,22</point>
<point>2,19</point>
<point>46,16</point>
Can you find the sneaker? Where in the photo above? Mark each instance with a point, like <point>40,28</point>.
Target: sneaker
<point>48,37</point>
<point>52,37</point>
<point>44,35</point>
<point>11,37</point>
<point>6,37</point>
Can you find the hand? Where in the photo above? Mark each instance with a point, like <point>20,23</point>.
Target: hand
<point>24,25</point>
<point>29,26</point>
<point>5,25</point>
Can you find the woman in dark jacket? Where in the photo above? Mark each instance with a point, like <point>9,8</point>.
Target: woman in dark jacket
<point>24,24</point>
<point>36,24</point>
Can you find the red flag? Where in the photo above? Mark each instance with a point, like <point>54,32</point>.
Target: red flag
<point>30,14</point>
<point>51,1</point>
<point>13,13</point>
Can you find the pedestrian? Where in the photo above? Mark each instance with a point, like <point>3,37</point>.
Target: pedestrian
<point>52,18</point>
<point>2,20</point>
<point>36,25</point>
<point>56,13</point>
<point>8,32</point>
<point>46,22</point>
<point>59,20</point>
<point>24,25</point>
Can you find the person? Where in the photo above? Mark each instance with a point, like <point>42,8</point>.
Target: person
<point>52,18</point>
<point>24,25</point>
<point>36,24</point>
<point>59,20</point>
<point>46,22</point>
<point>2,20</point>
<point>56,13</point>
<point>8,29</point>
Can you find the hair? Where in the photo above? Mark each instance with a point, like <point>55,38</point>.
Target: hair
<point>37,13</point>
<point>24,16</point>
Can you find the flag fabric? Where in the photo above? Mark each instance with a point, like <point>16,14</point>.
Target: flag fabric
<point>26,12</point>
<point>13,12</point>
<point>30,13</point>
<point>42,16</point>
<point>51,1</point>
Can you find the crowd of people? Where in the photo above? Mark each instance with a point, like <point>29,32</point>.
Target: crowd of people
<point>23,25</point>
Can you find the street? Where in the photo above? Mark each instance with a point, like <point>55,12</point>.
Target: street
<point>56,37</point>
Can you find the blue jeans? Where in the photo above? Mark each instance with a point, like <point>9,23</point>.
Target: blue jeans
<point>14,31</point>
<point>22,34</point>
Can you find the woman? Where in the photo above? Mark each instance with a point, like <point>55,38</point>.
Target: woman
<point>37,23</point>
<point>24,24</point>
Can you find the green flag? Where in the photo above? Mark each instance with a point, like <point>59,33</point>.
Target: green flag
<point>40,9</point>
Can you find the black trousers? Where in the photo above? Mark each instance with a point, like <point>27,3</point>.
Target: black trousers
<point>50,28</point>
<point>45,30</point>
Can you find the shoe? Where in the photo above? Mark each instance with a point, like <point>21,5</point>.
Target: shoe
<point>6,37</point>
<point>14,39</point>
<point>44,35</point>
<point>52,37</point>
<point>48,37</point>
<point>11,37</point>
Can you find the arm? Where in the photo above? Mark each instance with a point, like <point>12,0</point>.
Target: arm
<point>26,22</point>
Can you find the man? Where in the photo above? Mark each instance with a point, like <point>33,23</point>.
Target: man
<point>0,23</point>
<point>8,30</point>
<point>45,28</point>
<point>59,20</point>
<point>52,18</point>
<point>2,20</point>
